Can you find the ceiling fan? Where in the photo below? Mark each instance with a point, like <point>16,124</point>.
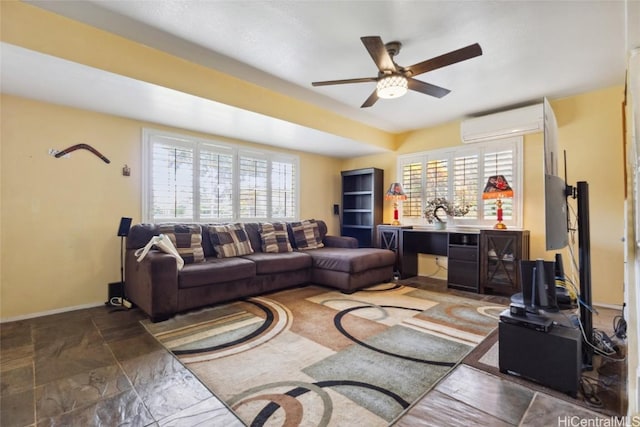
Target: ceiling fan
<point>393,81</point>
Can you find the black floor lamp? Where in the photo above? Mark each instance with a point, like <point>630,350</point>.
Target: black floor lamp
<point>117,290</point>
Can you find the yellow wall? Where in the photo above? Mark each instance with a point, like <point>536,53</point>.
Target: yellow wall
<point>590,130</point>
<point>33,28</point>
<point>60,216</point>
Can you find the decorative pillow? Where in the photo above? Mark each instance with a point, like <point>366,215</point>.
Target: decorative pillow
<point>230,240</point>
<point>306,235</point>
<point>187,238</point>
<point>274,237</point>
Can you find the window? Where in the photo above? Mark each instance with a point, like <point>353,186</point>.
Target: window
<point>191,179</point>
<point>459,174</point>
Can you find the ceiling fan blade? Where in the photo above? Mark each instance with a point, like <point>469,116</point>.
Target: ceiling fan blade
<point>370,100</point>
<point>427,88</point>
<point>379,53</point>
<point>452,57</point>
<point>345,81</point>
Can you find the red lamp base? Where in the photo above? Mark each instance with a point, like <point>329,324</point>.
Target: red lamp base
<point>395,214</point>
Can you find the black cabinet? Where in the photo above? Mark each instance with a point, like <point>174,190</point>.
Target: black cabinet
<point>389,238</point>
<point>462,270</point>
<point>499,260</point>
<point>362,195</point>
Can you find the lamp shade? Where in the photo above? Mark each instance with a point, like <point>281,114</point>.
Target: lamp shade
<point>392,86</point>
<point>395,192</point>
<point>497,186</point>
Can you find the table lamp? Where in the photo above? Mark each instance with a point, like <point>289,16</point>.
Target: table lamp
<point>395,193</point>
<point>497,188</point>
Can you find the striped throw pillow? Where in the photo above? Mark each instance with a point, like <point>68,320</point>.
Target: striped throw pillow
<point>230,240</point>
<point>306,235</point>
<point>187,238</point>
<point>275,238</point>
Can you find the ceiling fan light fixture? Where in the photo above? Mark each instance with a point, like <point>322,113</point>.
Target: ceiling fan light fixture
<point>393,86</point>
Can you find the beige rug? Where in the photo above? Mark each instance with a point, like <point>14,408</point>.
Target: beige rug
<point>315,357</point>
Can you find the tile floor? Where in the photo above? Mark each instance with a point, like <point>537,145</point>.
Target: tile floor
<point>99,367</point>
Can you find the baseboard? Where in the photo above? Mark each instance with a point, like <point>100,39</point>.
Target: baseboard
<point>49,312</point>
<point>611,306</point>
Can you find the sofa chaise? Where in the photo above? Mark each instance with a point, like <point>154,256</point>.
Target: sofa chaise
<point>225,262</point>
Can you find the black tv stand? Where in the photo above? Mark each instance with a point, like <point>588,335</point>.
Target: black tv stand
<point>549,358</point>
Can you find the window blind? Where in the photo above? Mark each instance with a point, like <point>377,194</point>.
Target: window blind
<point>283,187</point>
<point>253,187</point>
<point>190,179</point>
<point>216,185</point>
<point>437,179</point>
<point>465,184</point>
<point>412,186</point>
<point>173,175</point>
<point>459,174</point>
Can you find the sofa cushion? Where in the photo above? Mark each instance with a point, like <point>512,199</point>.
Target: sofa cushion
<point>140,234</point>
<point>187,238</point>
<point>306,235</point>
<point>253,232</point>
<point>270,263</point>
<point>275,238</point>
<point>230,240</point>
<point>351,260</point>
<point>216,270</point>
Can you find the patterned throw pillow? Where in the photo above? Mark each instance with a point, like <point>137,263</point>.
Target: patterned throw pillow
<point>274,237</point>
<point>187,238</point>
<point>307,235</point>
<point>230,240</point>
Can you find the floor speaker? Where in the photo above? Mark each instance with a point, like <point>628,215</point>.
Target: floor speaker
<point>553,358</point>
<point>116,290</point>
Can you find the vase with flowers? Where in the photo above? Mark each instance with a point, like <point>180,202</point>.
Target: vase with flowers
<point>438,209</point>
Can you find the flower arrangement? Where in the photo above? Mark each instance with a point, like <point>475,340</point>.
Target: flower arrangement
<point>440,206</point>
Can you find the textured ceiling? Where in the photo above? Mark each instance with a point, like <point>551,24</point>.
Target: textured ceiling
<point>531,49</point>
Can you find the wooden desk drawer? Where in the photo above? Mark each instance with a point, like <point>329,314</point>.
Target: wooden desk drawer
<point>463,252</point>
<point>463,274</point>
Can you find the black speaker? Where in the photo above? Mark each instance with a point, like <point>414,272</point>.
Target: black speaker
<point>116,290</point>
<point>553,359</point>
<point>125,225</point>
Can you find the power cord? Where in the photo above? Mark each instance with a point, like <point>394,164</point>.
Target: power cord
<point>438,268</point>
<point>603,343</point>
<point>440,265</point>
<point>589,389</point>
<point>620,325</point>
<point>598,336</point>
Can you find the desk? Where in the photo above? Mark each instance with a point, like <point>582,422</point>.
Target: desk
<point>414,241</point>
<point>478,260</point>
<point>459,246</point>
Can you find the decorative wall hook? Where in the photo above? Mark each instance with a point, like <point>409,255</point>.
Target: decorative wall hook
<point>85,147</point>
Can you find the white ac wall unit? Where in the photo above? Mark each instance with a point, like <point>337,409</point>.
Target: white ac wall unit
<point>505,124</point>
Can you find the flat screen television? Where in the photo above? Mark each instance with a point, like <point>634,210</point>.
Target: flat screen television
<point>555,188</point>
<point>556,193</point>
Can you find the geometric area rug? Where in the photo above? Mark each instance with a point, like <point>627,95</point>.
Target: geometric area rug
<point>313,356</point>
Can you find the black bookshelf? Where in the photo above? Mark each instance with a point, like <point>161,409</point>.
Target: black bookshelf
<point>362,196</point>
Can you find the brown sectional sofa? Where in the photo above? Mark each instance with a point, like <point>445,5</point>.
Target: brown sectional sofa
<point>157,287</point>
